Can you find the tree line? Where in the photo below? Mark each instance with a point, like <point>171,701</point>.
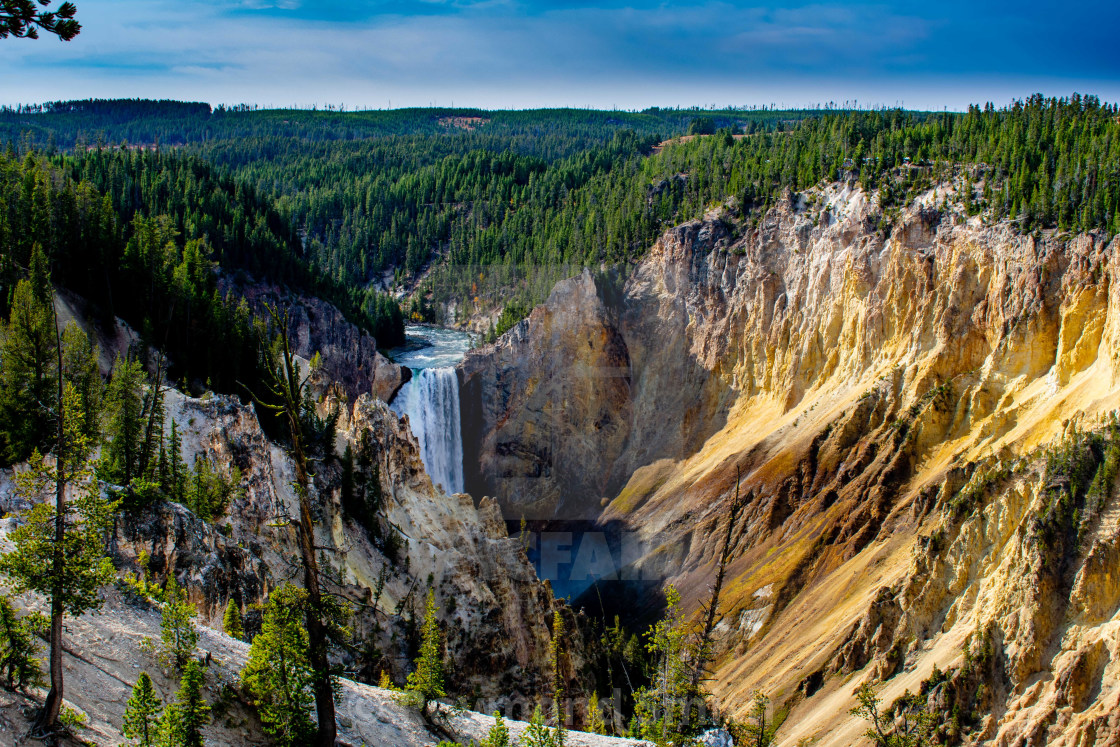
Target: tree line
<point>483,204</point>
<point>90,122</point>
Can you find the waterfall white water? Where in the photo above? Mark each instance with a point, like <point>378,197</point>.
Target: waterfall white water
<point>431,402</point>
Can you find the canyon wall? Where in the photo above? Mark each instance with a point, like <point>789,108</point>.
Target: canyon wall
<point>495,611</point>
<point>350,359</point>
<point>859,377</point>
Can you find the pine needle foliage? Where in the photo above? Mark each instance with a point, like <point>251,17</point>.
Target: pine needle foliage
<point>425,683</point>
<point>498,735</point>
<point>120,460</point>
<point>176,626</point>
<point>24,18</point>
<point>595,722</point>
<point>538,733</point>
<point>278,675</point>
<point>85,567</point>
<point>231,621</point>
<point>906,723</point>
<point>760,727</point>
<point>28,366</point>
<point>555,655</point>
<point>288,399</point>
<point>661,710</point>
<point>19,665</point>
<point>183,720</point>
<point>143,714</point>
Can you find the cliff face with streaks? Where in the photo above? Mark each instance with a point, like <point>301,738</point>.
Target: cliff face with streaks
<point>495,611</point>
<point>872,391</point>
<point>350,359</point>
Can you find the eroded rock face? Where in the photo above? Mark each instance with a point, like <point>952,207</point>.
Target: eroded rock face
<point>597,382</point>
<point>853,381</point>
<point>494,609</point>
<point>564,377</point>
<point>350,358</point>
<point>996,597</point>
<point>498,623</point>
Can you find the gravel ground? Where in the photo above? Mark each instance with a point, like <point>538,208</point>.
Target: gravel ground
<point>106,652</point>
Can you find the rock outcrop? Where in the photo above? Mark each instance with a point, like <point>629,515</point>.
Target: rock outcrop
<point>494,609</point>
<point>349,355</point>
<point>853,374</point>
<point>564,374</point>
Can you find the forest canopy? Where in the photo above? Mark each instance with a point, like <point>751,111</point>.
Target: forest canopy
<point>501,204</point>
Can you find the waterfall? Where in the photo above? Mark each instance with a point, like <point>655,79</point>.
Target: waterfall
<point>431,402</point>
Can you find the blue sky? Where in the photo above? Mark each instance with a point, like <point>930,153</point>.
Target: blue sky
<point>614,53</point>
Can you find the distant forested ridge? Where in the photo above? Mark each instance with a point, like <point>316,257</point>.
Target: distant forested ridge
<point>140,121</point>
<point>488,199</point>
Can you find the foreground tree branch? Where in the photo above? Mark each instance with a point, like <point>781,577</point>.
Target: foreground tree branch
<point>23,19</point>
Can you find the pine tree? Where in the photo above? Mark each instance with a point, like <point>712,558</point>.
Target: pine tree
<point>29,368</point>
<point>554,655</point>
<point>287,387</point>
<point>595,722</point>
<point>176,625</point>
<point>125,403</point>
<point>80,368</point>
<point>758,730</point>
<point>425,682</point>
<point>499,734</point>
<point>278,674</point>
<point>908,722</point>
<point>184,719</point>
<point>175,487</point>
<point>660,710</point>
<point>231,620</point>
<point>537,733</point>
<point>199,485</point>
<point>19,665</point>
<point>59,550</point>
<point>152,440</point>
<point>374,498</point>
<point>163,469</point>
<point>143,713</point>
<point>702,649</point>
<point>28,372</point>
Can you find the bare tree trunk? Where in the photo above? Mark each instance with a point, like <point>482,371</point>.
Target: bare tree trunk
<point>48,721</point>
<point>316,629</point>
<point>711,616</point>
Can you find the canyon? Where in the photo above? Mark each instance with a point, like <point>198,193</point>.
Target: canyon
<point>886,414</point>
<point>823,399</point>
<point>887,397</point>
